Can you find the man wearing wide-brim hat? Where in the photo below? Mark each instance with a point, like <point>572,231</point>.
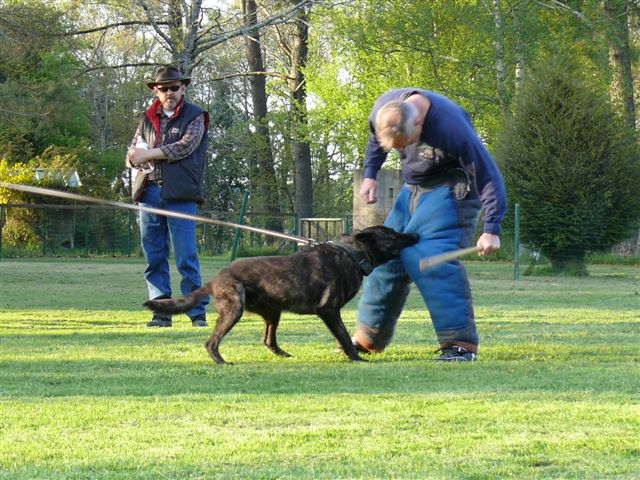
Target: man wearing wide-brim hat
<point>168,153</point>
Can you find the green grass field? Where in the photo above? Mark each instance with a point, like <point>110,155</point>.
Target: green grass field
<point>88,392</point>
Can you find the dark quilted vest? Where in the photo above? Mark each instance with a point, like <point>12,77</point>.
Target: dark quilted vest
<point>183,180</point>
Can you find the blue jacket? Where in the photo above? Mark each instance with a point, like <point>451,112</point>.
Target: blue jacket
<point>449,130</point>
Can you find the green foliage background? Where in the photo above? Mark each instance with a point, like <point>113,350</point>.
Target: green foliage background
<point>72,101</point>
<point>571,163</point>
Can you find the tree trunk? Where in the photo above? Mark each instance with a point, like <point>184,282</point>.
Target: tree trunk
<point>498,21</point>
<point>617,14</point>
<point>265,181</point>
<point>621,89</point>
<point>518,21</point>
<point>297,88</point>
<point>100,114</point>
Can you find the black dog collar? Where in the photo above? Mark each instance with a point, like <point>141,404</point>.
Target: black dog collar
<point>358,256</point>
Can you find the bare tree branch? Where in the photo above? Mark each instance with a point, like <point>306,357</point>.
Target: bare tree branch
<point>281,17</point>
<point>553,4</point>
<point>246,74</point>
<point>122,65</point>
<point>171,46</point>
<point>108,27</point>
<point>193,26</point>
<point>195,37</point>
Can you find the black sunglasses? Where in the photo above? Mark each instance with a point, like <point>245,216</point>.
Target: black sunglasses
<point>173,88</point>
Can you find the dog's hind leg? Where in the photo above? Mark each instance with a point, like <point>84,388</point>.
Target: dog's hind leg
<point>271,321</point>
<point>333,321</point>
<point>230,307</point>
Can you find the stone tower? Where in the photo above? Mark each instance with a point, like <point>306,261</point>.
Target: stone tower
<point>389,185</point>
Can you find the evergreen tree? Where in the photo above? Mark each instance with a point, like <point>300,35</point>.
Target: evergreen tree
<point>572,164</point>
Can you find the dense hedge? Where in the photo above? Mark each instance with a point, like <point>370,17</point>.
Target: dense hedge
<point>571,164</point>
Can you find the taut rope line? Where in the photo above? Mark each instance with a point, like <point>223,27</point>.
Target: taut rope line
<point>159,211</point>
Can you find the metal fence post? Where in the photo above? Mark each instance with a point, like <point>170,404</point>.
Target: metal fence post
<point>516,241</point>
<point>86,231</point>
<point>1,227</point>
<point>236,240</point>
<point>44,232</point>
<point>129,233</point>
<point>204,238</point>
<point>296,231</point>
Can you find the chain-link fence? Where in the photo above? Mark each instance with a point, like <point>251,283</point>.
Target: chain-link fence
<point>91,230</point>
<point>81,230</point>
<point>29,230</point>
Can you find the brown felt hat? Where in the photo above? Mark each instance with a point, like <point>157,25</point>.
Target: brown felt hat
<point>169,75</point>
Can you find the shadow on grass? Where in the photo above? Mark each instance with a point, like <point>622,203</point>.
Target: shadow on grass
<point>114,359</point>
<point>103,378</point>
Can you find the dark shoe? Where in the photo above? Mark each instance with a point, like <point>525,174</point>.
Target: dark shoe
<point>158,321</point>
<point>455,353</point>
<point>199,321</point>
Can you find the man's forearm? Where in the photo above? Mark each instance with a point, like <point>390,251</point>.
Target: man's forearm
<point>155,154</point>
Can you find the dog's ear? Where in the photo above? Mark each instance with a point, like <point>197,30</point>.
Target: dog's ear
<point>363,236</point>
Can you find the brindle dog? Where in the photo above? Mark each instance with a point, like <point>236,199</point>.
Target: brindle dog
<point>318,280</point>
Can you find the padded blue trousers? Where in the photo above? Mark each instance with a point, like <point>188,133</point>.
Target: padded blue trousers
<point>444,223</point>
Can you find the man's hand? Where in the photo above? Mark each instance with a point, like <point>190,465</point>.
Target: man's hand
<point>488,243</point>
<point>138,156</point>
<point>368,190</point>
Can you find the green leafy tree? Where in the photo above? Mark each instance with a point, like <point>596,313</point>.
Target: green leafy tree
<point>39,98</point>
<point>572,164</point>
<point>18,228</point>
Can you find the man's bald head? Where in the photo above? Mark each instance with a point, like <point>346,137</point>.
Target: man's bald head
<point>396,124</point>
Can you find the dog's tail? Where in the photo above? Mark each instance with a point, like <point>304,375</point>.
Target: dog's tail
<point>179,305</point>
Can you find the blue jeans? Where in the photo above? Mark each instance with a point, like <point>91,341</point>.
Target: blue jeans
<point>444,223</point>
<point>157,232</point>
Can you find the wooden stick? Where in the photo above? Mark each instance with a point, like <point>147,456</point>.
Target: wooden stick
<point>445,257</point>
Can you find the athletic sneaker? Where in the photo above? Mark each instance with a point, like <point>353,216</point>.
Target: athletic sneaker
<point>454,353</point>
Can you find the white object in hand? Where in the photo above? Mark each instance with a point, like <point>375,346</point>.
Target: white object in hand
<point>141,143</point>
